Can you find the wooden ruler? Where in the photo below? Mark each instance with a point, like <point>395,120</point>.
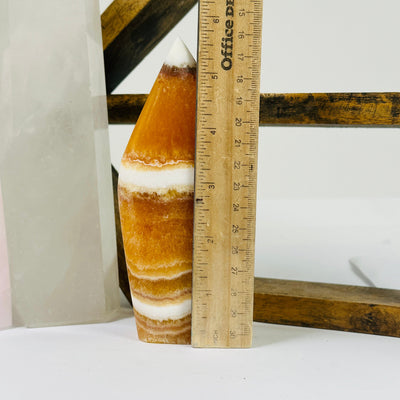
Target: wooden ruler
<point>229,55</point>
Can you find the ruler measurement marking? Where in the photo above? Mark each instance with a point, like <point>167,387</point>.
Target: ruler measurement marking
<point>226,155</point>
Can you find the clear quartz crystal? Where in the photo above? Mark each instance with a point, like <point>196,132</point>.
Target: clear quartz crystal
<point>5,290</point>
<point>55,167</point>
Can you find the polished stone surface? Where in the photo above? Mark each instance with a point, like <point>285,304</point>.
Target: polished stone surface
<point>55,163</point>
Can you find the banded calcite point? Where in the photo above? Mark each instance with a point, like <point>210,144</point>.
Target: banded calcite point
<point>155,191</point>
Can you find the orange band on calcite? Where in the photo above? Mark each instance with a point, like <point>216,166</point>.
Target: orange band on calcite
<point>176,332</point>
<point>155,192</point>
<point>165,121</point>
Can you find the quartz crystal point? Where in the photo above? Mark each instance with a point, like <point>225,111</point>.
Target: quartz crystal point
<point>5,289</point>
<point>156,203</point>
<point>55,165</point>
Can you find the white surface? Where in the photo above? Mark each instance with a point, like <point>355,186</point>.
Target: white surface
<point>314,239</point>
<point>107,361</point>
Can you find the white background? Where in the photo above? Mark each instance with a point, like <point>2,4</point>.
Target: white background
<point>325,195</point>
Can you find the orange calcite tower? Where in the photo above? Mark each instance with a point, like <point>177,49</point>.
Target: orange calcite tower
<point>155,192</point>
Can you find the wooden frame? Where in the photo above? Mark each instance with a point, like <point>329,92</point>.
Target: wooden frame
<point>131,28</point>
<point>313,109</point>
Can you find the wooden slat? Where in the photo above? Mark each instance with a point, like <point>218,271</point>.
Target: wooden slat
<point>131,29</point>
<point>125,108</point>
<point>317,109</point>
<point>328,306</point>
<point>332,109</point>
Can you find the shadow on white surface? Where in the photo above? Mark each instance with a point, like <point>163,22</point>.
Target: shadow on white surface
<point>379,271</point>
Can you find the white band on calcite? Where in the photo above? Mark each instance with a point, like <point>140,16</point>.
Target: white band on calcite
<point>163,312</point>
<point>168,277</point>
<point>157,179</point>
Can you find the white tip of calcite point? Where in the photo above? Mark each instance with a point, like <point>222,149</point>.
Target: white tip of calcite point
<point>179,55</point>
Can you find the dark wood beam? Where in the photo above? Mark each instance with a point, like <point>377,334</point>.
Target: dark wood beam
<point>122,271</point>
<point>330,109</point>
<point>328,306</point>
<point>313,109</point>
<point>132,28</point>
<point>125,108</point>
